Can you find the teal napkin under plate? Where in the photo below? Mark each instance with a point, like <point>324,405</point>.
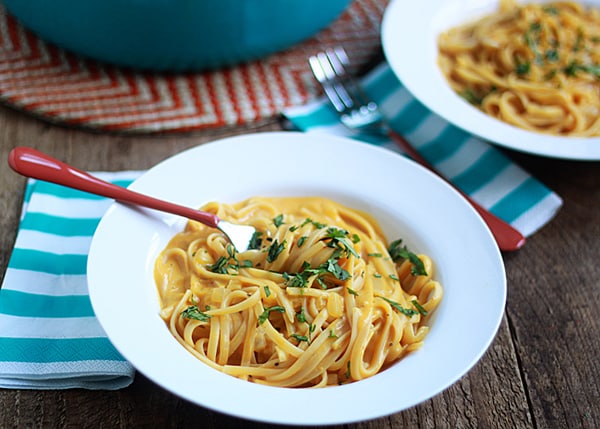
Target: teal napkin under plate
<point>478,168</point>
<point>49,336</point>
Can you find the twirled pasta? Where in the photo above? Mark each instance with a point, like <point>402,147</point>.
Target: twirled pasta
<point>535,66</point>
<point>320,301</point>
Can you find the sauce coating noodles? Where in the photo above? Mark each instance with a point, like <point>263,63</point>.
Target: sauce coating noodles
<point>319,301</point>
<point>535,66</point>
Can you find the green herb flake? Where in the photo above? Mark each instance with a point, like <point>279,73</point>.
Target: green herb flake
<point>550,10</point>
<point>255,241</point>
<point>219,267</point>
<point>409,312</point>
<point>300,316</point>
<point>523,67</point>
<point>265,314</point>
<point>470,97</point>
<point>274,250</point>
<point>352,291</point>
<point>419,307</point>
<point>399,253</point>
<point>193,312</point>
<point>317,225</point>
<point>267,291</point>
<point>552,55</point>
<point>301,240</point>
<point>300,338</point>
<point>278,220</point>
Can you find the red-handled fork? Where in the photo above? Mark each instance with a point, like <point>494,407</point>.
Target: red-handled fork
<point>357,111</point>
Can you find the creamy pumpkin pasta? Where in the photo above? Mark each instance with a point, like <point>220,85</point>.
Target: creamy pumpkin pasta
<point>532,65</point>
<point>320,299</point>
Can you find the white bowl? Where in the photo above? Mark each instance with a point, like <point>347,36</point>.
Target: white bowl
<point>409,39</point>
<point>408,201</point>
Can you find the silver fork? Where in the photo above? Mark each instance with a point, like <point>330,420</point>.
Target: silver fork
<point>357,111</point>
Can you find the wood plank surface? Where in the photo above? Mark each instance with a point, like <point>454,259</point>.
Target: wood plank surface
<point>541,371</point>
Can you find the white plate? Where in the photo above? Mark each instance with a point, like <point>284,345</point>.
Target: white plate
<point>409,38</point>
<point>408,201</point>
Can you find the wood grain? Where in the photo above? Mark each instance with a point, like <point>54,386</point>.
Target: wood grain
<point>541,371</point>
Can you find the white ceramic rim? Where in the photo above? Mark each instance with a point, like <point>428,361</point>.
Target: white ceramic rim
<point>408,201</point>
<point>409,39</point>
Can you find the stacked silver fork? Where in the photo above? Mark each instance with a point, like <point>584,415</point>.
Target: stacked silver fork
<point>358,112</point>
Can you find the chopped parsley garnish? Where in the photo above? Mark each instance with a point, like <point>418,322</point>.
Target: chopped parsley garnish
<point>331,266</point>
<point>352,291</point>
<point>339,238</point>
<point>399,253</point>
<point>574,67</point>
<point>300,338</point>
<point>301,240</point>
<point>300,316</point>
<point>472,98</point>
<point>278,220</point>
<point>317,225</point>
<point>409,312</point>
<point>219,267</point>
<point>274,250</point>
<point>265,314</point>
<point>523,67</point>
<point>532,39</point>
<point>225,263</point>
<point>419,307</point>
<point>255,241</point>
<point>193,312</point>
<point>267,291</point>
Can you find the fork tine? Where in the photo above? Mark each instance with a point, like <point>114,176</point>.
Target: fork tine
<point>327,77</point>
<point>355,108</point>
<point>323,79</point>
<point>339,61</point>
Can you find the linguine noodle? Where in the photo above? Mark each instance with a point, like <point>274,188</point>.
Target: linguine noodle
<point>321,299</point>
<point>535,66</point>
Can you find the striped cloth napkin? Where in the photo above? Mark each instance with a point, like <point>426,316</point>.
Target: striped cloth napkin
<point>478,168</point>
<point>49,336</point>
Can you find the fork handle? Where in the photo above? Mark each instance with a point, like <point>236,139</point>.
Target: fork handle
<point>37,165</point>
<point>507,237</point>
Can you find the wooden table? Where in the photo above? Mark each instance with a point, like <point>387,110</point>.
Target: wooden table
<point>542,370</point>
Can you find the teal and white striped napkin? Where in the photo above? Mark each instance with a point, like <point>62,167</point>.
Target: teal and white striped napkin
<point>49,335</point>
<point>477,167</point>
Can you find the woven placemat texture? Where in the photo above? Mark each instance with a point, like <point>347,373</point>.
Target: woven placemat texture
<point>60,87</point>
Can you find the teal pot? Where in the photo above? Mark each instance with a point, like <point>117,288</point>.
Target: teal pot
<point>175,35</point>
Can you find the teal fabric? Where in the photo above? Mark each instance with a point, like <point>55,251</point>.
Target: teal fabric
<point>49,335</point>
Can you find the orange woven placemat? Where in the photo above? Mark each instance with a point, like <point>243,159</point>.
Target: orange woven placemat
<point>60,87</point>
